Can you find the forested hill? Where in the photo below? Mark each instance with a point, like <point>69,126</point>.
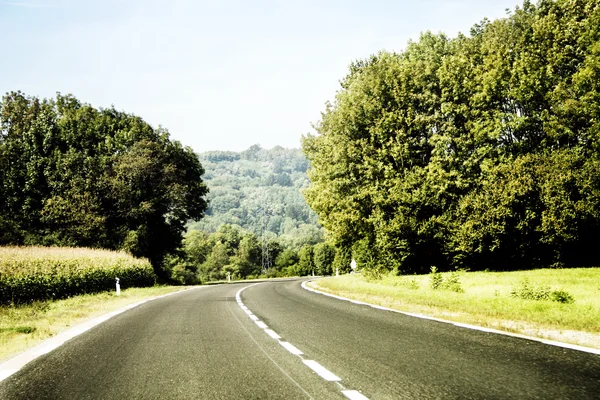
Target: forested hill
<point>259,189</point>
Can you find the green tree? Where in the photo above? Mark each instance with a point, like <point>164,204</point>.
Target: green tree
<point>306,264</point>
<point>248,256</point>
<point>212,268</point>
<point>74,175</point>
<point>287,261</point>
<point>454,152</point>
<point>324,255</point>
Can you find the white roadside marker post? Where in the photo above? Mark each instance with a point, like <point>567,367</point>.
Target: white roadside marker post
<point>118,288</point>
<point>337,271</point>
<point>229,277</point>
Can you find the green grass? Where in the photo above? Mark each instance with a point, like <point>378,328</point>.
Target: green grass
<point>24,326</point>
<point>486,300</point>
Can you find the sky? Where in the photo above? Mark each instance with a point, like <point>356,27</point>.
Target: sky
<point>219,75</point>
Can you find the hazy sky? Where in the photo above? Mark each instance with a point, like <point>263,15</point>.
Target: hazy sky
<point>219,75</point>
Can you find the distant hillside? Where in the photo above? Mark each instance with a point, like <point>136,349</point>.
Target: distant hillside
<point>259,189</point>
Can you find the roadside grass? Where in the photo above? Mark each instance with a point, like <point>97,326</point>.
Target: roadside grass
<point>24,326</point>
<point>486,300</point>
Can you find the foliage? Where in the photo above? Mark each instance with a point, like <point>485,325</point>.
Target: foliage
<point>324,255</point>
<point>211,256</point>
<point>476,152</point>
<point>259,190</point>
<point>436,278</point>
<point>73,175</point>
<point>450,282</point>
<point>527,292</point>
<point>36,273</point>
<point>306,263</point>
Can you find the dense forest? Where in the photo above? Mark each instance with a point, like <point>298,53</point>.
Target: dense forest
<point>257,222</point>
<point>259,191</point>
<point>73,175</point>
<point>480,151</point>
<point>238,254</point>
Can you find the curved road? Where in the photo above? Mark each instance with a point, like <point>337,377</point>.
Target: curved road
<point>275,340</point>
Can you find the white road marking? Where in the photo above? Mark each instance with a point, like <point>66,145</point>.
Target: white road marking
<point>14,364</point>
<point>354,395</point>
<point>291,348</point>
<point>461,325</point>
<point>322,371</point>
<point>315,366</point>
<point>272,333</point>
<point>261,324</point>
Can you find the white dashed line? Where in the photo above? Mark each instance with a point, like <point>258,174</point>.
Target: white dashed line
<point>272,333</point>
<point>261,324</point>
<point>291,348</point>
<point>315,366</point>
<point>322,371</point>
<point>354,395</point>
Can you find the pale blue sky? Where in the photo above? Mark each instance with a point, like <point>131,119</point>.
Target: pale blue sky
<point>219,75</point>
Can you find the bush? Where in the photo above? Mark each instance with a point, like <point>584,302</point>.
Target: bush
<point>451,282</point>
<point>372,274</point>
<point>435,278</point>
<point>28,274</point>
<point>527,292</point>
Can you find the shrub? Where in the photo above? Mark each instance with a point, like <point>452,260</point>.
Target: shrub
<point>527,292</point>
<point>451,282</point>
<point>435,278</point>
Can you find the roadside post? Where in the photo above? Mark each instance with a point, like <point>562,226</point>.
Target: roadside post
<point>118,288</point>
<point>353,265</point>
<point>229,277</point>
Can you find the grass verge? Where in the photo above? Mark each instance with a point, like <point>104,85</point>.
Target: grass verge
<point>485,299</point>
<point>24,326</point>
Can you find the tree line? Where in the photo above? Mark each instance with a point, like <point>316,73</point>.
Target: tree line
<point>73,175</point>
<point>480,151</point>
<point>241,254</point>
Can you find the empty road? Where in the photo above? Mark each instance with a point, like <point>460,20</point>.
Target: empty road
<point>275,340</point>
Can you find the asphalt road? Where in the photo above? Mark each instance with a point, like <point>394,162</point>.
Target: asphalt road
<point>207,344</point>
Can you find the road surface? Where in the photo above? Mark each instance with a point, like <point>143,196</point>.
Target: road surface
<point>275,340</point>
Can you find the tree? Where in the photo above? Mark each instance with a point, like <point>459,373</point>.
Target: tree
<point>248,256</point>
<point>212,269</point>
<point>306,264</point>
<point>324,254</point>
<point>287,261</point>
<point>454,153</point>
<point>74,175</point>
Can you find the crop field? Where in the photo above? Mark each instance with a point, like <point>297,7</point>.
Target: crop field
<point>557,304</point>
<point>28,274</point>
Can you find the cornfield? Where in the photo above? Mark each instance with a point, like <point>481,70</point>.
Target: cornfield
<point>40,273</point>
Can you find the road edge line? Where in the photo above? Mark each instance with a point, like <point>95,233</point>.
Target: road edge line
<point>14,364</point>
<point>458,324</point>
